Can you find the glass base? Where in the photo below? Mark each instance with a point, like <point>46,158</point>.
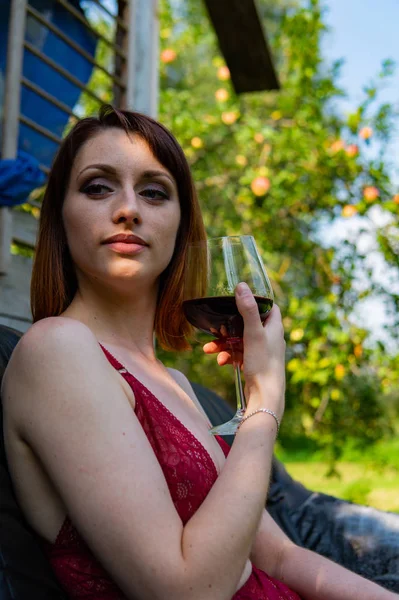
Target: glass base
<point>230,427</point>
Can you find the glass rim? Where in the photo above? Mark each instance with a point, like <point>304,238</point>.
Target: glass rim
<point>222,237</point>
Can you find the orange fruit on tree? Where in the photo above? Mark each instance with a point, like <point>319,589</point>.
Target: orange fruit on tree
<point>352,150</point>
<point>241,160</point>
<point>366,133</point>
<point>339,371</point>
<point>260,186</point>
<point>370,193</point>
<point>196,142</point>
<point>337,146</point>
<point>223,73</point>
<point>168,55</point>
<point>349,210</point>
<point>221,95</point>
<point>229,117</point>
<point>358,350</point>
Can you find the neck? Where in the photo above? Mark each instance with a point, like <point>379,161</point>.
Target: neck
<point>121,321</point>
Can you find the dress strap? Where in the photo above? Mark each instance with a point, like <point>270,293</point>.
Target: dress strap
<point>114,362</point>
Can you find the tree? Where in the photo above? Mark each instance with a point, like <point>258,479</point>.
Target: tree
<point>278,165</point>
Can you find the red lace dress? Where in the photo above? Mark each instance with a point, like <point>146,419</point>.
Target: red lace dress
<point>190,473</point>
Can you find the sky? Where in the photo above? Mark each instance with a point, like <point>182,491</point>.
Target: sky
<point>364,33</point>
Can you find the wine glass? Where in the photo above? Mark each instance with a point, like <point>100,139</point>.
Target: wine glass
<point>214,269</point>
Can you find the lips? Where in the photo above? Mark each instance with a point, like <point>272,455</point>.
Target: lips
<point>126,244</point>
<point>126,238</point>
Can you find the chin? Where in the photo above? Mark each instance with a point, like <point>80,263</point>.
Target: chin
<point>130,279</point>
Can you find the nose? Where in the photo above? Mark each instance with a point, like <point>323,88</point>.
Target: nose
<point>127,209</point>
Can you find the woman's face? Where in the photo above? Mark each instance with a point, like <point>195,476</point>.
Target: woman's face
<point>118,188</point>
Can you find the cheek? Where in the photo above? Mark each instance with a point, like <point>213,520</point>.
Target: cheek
<point>171,228</point>
<point>77,233</point>
<point>166,235</point>
<point>70,218</point>
<point>176,222</point>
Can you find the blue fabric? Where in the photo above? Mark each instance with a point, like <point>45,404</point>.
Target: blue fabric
<point>33,106</point>
<point>18,177</point>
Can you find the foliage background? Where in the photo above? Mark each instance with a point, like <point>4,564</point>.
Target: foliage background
<point>282,166</point>
<point>279,166</point>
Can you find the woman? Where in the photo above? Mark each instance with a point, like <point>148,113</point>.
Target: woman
<point>109,451</point>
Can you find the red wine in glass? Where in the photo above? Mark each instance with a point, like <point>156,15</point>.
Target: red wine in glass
<point>218,315</point>
<point>215,268</point>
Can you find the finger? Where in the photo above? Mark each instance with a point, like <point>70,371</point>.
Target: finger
<point>224,358</point>
<point>275,312</point>
<point>220,345</point>
<point>227,358</point>
<point>249,311</point>
<point>274,320</point>
<point>267,317</point>
<point>214,346</point>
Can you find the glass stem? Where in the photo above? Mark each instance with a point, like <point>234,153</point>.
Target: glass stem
<point>241,404</point>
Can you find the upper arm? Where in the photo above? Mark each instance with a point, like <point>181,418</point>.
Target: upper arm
<point>79,422</point>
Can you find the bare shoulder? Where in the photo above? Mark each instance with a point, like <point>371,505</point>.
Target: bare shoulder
<point>53,333</point>
<point>46,356</point>
<point>50,341</point>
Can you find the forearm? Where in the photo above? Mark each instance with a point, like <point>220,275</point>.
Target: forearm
<point>217,541</point>
<point>218,538</point>
<point>269,546</point>
<point>313,577</point>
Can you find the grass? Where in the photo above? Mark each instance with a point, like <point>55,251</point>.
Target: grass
<point>370,477</point>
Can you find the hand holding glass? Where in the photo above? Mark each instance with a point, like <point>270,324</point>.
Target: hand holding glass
<point>228,261</point>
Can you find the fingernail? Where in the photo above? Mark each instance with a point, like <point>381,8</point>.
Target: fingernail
<point>242,289</point>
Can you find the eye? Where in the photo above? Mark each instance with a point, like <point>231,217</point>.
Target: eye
<point>155,194</point>
<point>96,189</point>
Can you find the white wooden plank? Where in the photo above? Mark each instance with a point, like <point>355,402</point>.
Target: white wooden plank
<point>24,228</point>
<point>21,326</point>
<point>12,96</point>
<point>142,63</point>
<point>15,291</point>
<point>12,88</point>
<point>5,238</point>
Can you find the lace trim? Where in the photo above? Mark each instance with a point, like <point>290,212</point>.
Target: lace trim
<point>121,369</point>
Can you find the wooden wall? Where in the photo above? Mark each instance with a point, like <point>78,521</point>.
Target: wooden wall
<point>14,286</point>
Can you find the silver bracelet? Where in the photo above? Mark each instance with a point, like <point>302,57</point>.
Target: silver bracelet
<point>264,410</point>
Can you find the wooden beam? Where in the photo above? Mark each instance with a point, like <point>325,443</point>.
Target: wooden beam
<point>142,57</point>
<point>12,96</point>
<point>243,43</point>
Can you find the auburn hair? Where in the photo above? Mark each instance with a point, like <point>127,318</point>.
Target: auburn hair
<point>54,281</point>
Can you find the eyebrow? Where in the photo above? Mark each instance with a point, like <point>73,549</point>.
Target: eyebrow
<point>110,169</point>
